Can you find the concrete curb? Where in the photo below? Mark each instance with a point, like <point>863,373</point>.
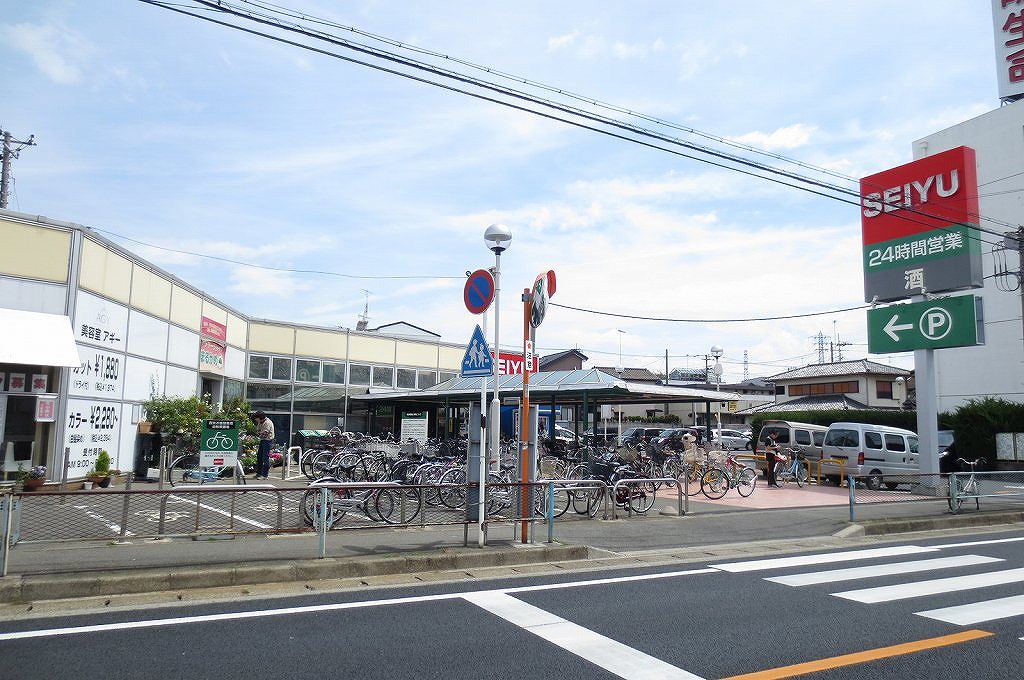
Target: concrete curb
<point>911,524</point>
<point>27,588</point>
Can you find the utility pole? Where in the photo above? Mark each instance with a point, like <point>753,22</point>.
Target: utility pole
<point>11,149</point>
<point>746,366</point>
<point>666,381</point>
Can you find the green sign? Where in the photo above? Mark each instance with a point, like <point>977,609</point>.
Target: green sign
<point>218,445</point>
<point>933,324</point>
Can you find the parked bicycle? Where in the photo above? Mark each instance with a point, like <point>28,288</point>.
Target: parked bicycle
<point>965,487</point>
<point>790,467</point>
<point>187,470</point>
<point>731,474</point>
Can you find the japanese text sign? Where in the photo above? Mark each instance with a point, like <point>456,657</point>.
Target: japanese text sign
<point>1008,26</point>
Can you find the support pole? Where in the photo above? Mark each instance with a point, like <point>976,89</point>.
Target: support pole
<point>524,424</point>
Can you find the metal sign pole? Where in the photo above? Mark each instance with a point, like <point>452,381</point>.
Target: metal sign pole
<point>481,516</point>
<point>524,427</point>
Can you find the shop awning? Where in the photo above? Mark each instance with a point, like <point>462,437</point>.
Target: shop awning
<point>37,339</point>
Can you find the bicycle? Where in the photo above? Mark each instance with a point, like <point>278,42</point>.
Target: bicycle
<point>732,474</point>
<point>968,487</point>
<point>378,503</point>
<point>186,470</point>
<point>791,469</point>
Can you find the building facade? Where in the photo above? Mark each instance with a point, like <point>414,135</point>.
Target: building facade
<point>858,385</point>
<point>141,332</point>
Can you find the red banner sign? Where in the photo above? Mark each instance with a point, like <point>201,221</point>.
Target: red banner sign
<point>209,328</point>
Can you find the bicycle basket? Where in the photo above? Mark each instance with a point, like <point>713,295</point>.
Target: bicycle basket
<point>601,469</point>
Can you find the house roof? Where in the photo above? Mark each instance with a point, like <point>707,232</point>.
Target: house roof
<point>634,374</point>
<point>857,367</point>
<point>388,328</point>
<point>550,358</point>
<point>818,402</point>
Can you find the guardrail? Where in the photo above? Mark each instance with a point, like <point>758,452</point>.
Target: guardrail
<point>902,488</point>
<point>966,486</point>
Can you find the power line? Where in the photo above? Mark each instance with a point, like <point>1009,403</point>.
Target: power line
<point>546,103</point>
<point>268,267</point>
<point>661,318</point>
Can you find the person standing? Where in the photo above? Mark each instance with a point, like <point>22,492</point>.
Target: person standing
<point>265,432</point>
<point>771,448</point>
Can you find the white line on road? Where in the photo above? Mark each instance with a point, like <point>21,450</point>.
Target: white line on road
<point>262,613</point>
<point>819,577</point>
<point>903,591</point>
<point>973,543</point>
<point>826,558</point>
<point>599,650</point>
<point>244,520</point>
<point>977,612</point>
<point>113,526</point>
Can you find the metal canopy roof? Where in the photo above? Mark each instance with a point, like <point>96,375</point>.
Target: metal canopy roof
<point>565,387</point>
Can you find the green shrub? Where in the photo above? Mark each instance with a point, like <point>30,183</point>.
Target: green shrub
<point>180,420</point>
<point>976,423</point>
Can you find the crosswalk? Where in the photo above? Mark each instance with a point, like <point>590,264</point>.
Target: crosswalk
<point>886,562</point>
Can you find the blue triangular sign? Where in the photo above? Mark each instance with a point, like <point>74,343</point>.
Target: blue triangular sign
<point>477,361</point>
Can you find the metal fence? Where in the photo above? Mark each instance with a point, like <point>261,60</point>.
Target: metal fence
<point>967,489</point>
<point>956,491</point>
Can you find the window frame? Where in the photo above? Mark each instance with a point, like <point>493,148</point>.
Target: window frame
<point>319,370</point>
<point>248,371</point>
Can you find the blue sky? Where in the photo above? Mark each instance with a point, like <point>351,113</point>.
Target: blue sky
<point>193,136</point>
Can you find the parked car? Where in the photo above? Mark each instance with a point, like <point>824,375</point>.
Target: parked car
<point>635,434</point>
<point>672,438</point>
<point>871,451</point>
<point>564,434</point>
<point>733,440</point>
<point>804,436</point>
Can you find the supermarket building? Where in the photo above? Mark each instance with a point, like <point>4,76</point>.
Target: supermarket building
<point>139,332</point>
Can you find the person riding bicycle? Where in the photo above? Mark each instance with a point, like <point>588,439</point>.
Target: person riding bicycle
<point>265,432</point>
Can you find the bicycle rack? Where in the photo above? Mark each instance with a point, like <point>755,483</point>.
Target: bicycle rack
<point>658,480</point>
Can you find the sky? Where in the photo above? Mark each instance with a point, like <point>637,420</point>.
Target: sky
<point>186,135</point>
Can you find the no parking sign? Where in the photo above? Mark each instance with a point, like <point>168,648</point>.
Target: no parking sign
<point>479,291</point>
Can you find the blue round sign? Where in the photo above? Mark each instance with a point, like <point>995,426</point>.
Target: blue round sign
<point>479,291</point>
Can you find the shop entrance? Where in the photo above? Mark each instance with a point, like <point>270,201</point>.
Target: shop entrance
<point>22,440</point>
<point>215,388</point>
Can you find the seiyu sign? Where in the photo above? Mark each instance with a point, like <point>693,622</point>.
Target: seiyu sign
<point>919,223</point>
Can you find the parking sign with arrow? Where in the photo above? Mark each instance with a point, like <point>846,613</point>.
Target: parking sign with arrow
<point>933,324</point>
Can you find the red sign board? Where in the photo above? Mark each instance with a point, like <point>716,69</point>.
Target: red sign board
<point>511,363</point>
<point>478,291</point>
<point>930,193</point>
<point>46,409</point>
<point>213,329</point>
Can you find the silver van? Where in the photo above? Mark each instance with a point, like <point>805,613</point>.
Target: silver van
<point>804,436</point>
<point>870,451</point>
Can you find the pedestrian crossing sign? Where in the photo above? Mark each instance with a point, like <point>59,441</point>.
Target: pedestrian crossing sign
<point>477,361</point>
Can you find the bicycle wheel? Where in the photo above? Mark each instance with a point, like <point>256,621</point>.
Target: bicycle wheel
<point>801,475</point>
<point>781,474</point>
<point>306,463</point>
<point>311,505</point>
<point>641,498</point>
<point>385,504</point>
<point>746,482</point>
<point>453,497</point>
<point>185,470</point>
<point>714,483</point>
<point>695,473</point>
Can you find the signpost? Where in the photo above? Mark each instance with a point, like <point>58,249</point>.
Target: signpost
<point>477,362</point>
<point>933,324</point>
<point>478,294</point>
<point>218,445</point>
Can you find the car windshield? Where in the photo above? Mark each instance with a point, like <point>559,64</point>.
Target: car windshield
<point>945,439</point>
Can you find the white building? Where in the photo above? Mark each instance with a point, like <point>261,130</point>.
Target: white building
<point>997,368</point>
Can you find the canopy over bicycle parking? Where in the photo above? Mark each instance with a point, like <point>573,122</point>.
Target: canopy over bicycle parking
<point>584,389</point>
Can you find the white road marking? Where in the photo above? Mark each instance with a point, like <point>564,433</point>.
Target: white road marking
<point>934,587</point>
<point>113,526</point>
<point>819,577</point>
<point>599,650</point>
<point>973,543</point>
<point>263,613</point>
<point>240,518</point>
<point>977,612</point>
<point>826,558</point>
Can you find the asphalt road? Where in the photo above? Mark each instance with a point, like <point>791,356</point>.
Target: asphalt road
<point>954,607</point>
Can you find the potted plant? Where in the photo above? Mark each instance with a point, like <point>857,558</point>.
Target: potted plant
<point>34,478</point>
<point>100,473</point>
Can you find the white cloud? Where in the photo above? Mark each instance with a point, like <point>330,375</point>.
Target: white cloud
<point>257,283</point>
<point>559,42</point>
<point>56,50</point>
<point>789,137</point>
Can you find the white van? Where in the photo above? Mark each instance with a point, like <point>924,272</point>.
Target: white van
<point>804,436</point>
<point>870,451</point>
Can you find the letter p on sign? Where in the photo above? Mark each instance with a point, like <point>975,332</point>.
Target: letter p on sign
<point>936,323</point>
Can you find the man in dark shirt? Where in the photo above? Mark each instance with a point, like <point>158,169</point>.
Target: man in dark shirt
<point>771,448</point>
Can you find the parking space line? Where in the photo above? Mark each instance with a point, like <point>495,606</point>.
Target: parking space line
<point>113,526</point>
<point>903,591</point>
<point>604,652</point>
<point>973,543</point>
<point>891,569</point>
<point>823,558</point>
<point>863,657</point>
<point>240,518</point>
<point>977,612</point>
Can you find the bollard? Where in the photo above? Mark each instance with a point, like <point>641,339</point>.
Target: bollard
<point>124,508</point>
<point>686,492</point>
<point>322,528</point>
<point>680,510</point>
<point>163,515</point>
<point>64,474</point>
<point>551,512</point>
<point>280,510</point>
<point>852,483</point>
<point>8,501</point>
<point>162,466</point>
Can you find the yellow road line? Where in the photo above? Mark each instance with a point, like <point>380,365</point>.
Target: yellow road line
<point>862,657</point>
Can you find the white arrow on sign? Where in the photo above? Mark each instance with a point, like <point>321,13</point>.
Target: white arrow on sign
<point>892,327</point>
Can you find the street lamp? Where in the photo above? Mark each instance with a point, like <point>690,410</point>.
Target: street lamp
<point>716,352</point>
<point>498,237</point>
<point>619,370</point>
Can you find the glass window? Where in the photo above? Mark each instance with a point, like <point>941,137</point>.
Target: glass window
<point>383,376</point>
<point>425,379</point>
<point>232,389</point>
<point>320,400</point>
<point>780,389</point>
<point>307,370</point>
<point>873,440</point>
<point>262,396</point>
<point>282,369</point>
<point>783,433</point>
<point>803,437</point>
<point>883,389</point>
<point>406,379</point>
<point>819,438</point>
<point>447,376</point>
<point>840,437</point>
<point>334,373</point>
<point>895,442</point>
<point>912,441</point>
<point>259,367</point>
<point>358,374</point>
